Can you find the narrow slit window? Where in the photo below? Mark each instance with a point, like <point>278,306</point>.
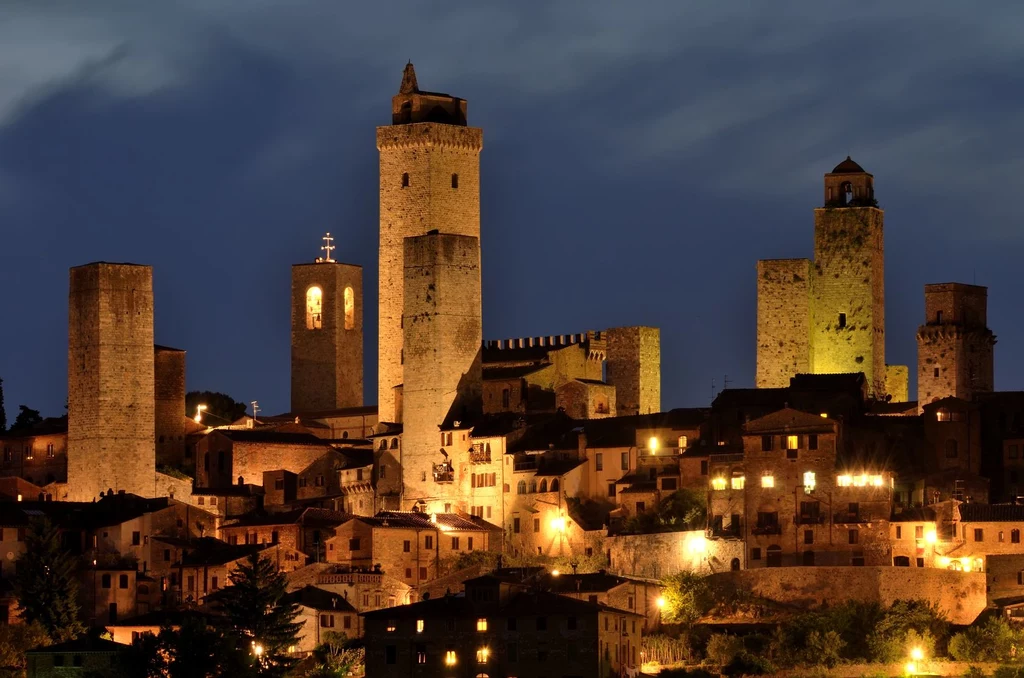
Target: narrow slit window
<point>842,320</point>
<point>405,179</point>
<point>455,181</point>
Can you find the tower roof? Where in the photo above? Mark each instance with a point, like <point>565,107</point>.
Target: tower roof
<point>847,166</point>
<point>409,84</point>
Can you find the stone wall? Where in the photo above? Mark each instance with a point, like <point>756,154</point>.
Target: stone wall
<point>783,321</point>
<point>169,390</point>
<point>960,595</point>
<point>111,379</point>
<point>634,368</point>
<point>848,294</point>
<point>429,180</point>
<point>897,382</point>
<point>327,361</point>
<point>668,553</point>
<point>442,347</point>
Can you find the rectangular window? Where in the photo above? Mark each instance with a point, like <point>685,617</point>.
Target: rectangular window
<point>536,524</point>
<point>423,573</point>
<point>1014,536</point>
<point>105,580</point>
<point>611,489</point>
<point>353,544</point>
<point>899,532</point>
<point>766,443</point>
<point>1013,451</point>
<point>406,546</point>
<point>136,538</point>
<point>122,581</point>
<point>481,624</point>
<point>808,536</point>
<point>812,441</point>
<point>515,525</point>
<point>421,653</point>
<point>936,373</point>
<point>792,442</point>
<point>979,534</point>
<point>624,461</point>
<point>854,537</point>
<point>669,484</point>
<point>738,482</point>
<point>919,532</point>
<point>455,543</point>
<point>755,554</point>
<point>390,654</point>
<point>842,320</point>
<point>704,467</point>
<point>469,543</point>
<point>428,542</point>
<point>506,398</point>
<point>599,461</point>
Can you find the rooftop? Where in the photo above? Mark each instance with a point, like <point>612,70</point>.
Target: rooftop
<point>848,166</point>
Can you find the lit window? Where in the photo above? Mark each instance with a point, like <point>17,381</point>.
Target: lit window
<point>391,626</point>
<point>449,658</point>
<point>792,442</point>
<point>482,654</point>
<point>942,415</point>
<point>718,483</point>
<point>419,626</point>
<point>877,481</point>
<point>350,308</point>
<point>481,624</point>
<point>314,308</point>
<point>844,481</point>
<point>683,441</point>
<point>653,444</point>
<point>767,481</point>
<point>738,482</point>
<point>809,481</point>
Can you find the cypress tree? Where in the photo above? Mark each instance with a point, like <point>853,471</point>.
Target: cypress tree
<point>45,583</point>
<point>262,623</point>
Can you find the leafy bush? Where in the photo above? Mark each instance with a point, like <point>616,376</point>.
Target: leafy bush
<point>749,664</point>
<point>972,671</point>
<point>824,648</point>
<point>907,624</point>
<point>1008,672</point>
<point>688,597</point>
<point>722,648</point>
<point>991,641</point>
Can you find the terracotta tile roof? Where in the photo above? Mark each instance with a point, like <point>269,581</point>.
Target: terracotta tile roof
<point>319,599</point>
<point>412,519</point>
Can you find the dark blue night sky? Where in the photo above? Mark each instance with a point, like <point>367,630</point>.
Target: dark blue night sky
<point>638,159</point>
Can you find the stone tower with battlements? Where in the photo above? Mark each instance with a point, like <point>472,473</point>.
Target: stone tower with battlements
<point>327,336</point>
<point>111,382</point>
<point>429,180</point>
<point>828,315</point>
<point>442,333</point>
<point>954,345</point>
<point>634,369</point>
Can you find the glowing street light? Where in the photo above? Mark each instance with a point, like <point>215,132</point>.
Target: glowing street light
<point>558,524</point>
<point>931,537</point>
<point>555,573</point>
<point>917,654</point>
<point>653,444</point>
<point>660,602</point>
<point>199,413</point>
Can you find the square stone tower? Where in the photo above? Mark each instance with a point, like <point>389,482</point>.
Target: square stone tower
<point>443,337</point>
<point>429,180</point>
<point>848,287</point>
<point>954,346</point>
<point>783,321</point>
<point>169,391</point>
<point>327,336</point>
<point>634,369</point>
<point>111,411</point>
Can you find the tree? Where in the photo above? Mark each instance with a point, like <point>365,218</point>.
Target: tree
<point>334,658</point>
<point>682,510</point>
<point>687,598</point>
<point>45,584</point>
<point>220,407</point>
<point>3,413</point>
<point>261,622</point>
<point>15,640</point>
<point>26,419</point>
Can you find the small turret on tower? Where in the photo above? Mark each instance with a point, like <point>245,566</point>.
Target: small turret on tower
<point>848,185</point>
<point>412,105</point>
<point>409,85</point>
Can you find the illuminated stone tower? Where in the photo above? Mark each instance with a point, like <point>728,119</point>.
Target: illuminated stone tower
<point>443,372</point>
<point>429,180</point>
<point>111,382</point>
<point>847,289</point>
<point>634,369</point>
<point>327,335</point>
<point>954,345</point>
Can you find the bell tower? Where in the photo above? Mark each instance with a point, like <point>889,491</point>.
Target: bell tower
<point>429,181</point>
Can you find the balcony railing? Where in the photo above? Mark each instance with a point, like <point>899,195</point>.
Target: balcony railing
<point>727,531</point>
<point>767,529</point>
<point>525,465</point>
<point>444,473</point>
<point>848,517</point>
<point>480,456</point>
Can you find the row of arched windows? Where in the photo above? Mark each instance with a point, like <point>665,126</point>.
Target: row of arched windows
<point>315,308</point>
<point>533,488</point>
<point>384,444</point>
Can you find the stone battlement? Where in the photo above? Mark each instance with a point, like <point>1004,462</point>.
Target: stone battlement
<point>550,341</point>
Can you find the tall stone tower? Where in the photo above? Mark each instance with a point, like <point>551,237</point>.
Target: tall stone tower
<point>954,345</point>
<point>169,392</point>
<point>634,369</point>
<point>783,321</point>
<point>429,180</point>
<point>327,336</point>
<point>111,418</point>
<point>847,291</point>
<point>442,331</point>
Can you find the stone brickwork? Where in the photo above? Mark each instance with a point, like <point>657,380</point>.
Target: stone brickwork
<point>634,368</point>
<point>442,329</point>
<point>846,303</point>
<point>586,399</point>
<point>897,383</point>
<point>111,378</point>
<point>657,556</point>
<point>954,346</point>
<point>429,180</point>
<point>327,352</point>
<point>783,321</point>
<point>169,390</point>
<point>960,595</point>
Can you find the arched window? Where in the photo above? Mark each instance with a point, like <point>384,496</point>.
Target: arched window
<point>951,448</point>
<point>521,487</point>
<point>544,486</point>
<point>735,564</point>
<point>846,193</point>
<point>533,486</point>
<point>350,308</point>
<point>405,179</point>
<point>383,445</point>
<point>554,484</point>
<point>455,181</point>
<point>314,308</point>
<point>394,443</point>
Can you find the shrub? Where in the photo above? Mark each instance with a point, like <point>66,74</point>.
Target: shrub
<point>748,664</point>
<point>824,648</point>
<point>723,648</point>
<point>688,597</point>
<point>1008,672</point>
<point>991,641</point>
<point>973,671</point>
<point>665,649</point>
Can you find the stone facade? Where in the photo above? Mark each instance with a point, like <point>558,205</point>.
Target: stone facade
<point>442,337</point>
<point>429,180</point>
<point>634,369</point>
<point>327,336</point>
<point>111,378</point>
<point>897,383</point>
<point>169,391</point>
<point>783,321</point>
<point>954,346</point>
<point>586,399</point>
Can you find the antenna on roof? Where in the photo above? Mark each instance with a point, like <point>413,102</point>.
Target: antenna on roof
<point>712,388</point>
<point>725,382</point>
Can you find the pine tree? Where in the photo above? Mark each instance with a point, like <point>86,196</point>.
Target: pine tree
<point>3,413</point>
<point>262,623</point>
<point>45,584</point>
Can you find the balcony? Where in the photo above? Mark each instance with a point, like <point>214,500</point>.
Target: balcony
<point>479,456</point>
<point>767,529</point>
<point>810,519</point>
<point>444,473</point>
<point>848,517</point>
<point>525,465</point>
<point>719,531</point>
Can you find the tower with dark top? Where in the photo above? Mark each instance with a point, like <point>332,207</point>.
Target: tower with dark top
<point>429,181</point>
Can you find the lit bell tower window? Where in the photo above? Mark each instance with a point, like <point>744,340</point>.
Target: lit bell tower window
<point>350,308</point>
<point>314,308</point>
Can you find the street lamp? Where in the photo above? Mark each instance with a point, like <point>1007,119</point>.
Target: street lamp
<point>199,413</point>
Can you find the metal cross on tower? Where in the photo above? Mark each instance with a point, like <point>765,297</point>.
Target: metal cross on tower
<point>328,247</point>
<point>255,409</point>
